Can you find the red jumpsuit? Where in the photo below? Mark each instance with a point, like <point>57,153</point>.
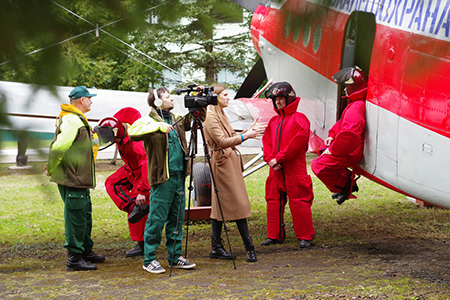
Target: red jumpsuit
<point>131,179</point>
<point>333,170</point>
<point>286,139</point>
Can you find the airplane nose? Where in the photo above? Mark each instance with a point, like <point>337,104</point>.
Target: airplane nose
<point>257,26</point>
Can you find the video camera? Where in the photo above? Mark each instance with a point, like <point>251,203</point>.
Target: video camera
<point>197,98</point>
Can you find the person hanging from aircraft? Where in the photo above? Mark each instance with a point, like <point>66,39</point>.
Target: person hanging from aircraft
<point>344,147</point>
<point>285,143</point>
<point>128,187</point>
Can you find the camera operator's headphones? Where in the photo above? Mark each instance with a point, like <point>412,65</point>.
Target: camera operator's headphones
<point>158,101</point>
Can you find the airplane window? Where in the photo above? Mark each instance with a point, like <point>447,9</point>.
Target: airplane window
<point>316,37</point>
<point>297,25</point>
<point>306,33</point>
<point>287,27</point>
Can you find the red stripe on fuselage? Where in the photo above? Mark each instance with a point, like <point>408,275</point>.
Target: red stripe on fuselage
<point>409,72</point>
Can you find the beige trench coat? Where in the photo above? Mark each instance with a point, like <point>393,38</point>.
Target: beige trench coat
<point>226,167</point>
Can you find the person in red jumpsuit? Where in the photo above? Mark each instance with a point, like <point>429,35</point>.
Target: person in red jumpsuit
<point>285,143</point>
<point>344,147</point>
<point>128,187</point>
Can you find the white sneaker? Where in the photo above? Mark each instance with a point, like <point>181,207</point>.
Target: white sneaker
<point>183,263</point>
<point>154,267</point>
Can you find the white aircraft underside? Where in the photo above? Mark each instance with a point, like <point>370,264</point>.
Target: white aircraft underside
<point>398,152</point>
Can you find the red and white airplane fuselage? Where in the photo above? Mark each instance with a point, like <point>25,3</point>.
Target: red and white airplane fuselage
<point>404,46</point>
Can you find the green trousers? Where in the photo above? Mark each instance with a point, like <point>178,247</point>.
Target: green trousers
<point>77,218</point>
<point>165,201</point>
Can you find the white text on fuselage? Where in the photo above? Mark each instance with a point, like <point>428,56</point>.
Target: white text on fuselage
<point>426,17</point>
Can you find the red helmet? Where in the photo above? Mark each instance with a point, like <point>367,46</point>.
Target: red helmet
<point>353,77</point>
<point>281,89</point>
<point>108,129</point>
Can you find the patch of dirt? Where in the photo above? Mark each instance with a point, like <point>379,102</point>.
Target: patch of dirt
<point>379,269</point>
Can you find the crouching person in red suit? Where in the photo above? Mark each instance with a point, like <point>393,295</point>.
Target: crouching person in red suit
<point>285,143</point>
<point>344,147</point>
<point>128,187</point>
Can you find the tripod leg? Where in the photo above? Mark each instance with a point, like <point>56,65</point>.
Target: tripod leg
<point>216,190</point>
<point>193,151</point>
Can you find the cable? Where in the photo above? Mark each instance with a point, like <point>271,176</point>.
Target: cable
<point>100,28</point>
<point>38,50</point>
<point>128,45</point>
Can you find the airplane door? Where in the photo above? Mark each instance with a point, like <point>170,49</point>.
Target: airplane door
<point>357,47</point>
<point>357,50</point>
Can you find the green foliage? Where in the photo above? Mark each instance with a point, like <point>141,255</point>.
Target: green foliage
<point>54,43</point>
<point>68,52</point>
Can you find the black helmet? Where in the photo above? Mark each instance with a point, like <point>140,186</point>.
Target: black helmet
<point>281,89</point>
<point>353,77</point>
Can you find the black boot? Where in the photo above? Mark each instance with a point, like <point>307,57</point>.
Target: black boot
<point>138,250</point>
<point>343,195</point>
<point>251,255</point>
<point>270,241</point>
<point>92,257</point>
<point>75,262</point>
<point>217,250</point>
<point>138,212</point>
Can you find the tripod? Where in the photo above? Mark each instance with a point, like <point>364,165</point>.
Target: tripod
<point>191,154</point>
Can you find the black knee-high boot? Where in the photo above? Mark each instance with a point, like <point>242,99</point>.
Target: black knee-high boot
<point>250,249</point>
<point>217,250</point>
<point>251,255</point>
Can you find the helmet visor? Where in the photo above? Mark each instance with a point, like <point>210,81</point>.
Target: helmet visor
<point>275,92</point>
<point>106,135</point>
<point>344,76</point>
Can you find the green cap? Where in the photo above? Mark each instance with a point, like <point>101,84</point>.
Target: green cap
<point>80,91</point>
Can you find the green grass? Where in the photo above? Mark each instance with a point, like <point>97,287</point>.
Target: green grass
<point>32,212</point>
<point>32,257</point>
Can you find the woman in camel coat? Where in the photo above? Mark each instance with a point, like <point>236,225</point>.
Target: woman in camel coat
<point>227,169</point>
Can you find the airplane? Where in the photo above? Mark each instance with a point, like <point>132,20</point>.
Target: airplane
<point>34,110</point>
<point>403,46</point>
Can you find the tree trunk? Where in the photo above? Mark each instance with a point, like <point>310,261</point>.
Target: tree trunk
<point>210,68</point>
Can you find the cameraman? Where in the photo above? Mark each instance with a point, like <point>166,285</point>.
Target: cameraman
<point>166,148</point>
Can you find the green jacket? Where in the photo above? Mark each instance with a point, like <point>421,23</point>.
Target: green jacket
<point>152,130</point>
<point>71,158</point>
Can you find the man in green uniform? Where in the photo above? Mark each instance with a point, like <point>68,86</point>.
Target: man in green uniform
<point>71,166</point>
<point>166,148</point>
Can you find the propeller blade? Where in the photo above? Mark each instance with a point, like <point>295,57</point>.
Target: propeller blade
<point>253,81</point>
